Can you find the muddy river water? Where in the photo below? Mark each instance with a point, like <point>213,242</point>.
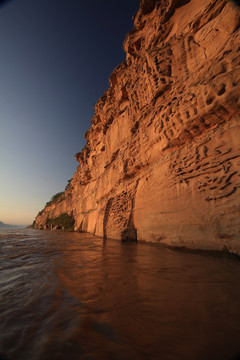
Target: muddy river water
<point>76,296</point>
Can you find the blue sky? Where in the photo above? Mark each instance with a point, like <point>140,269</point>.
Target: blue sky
<point>55,60</point>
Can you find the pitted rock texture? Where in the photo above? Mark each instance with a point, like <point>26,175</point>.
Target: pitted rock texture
<point>162,159</point>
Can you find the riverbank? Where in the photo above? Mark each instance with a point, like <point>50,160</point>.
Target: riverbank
<point>224,253</point>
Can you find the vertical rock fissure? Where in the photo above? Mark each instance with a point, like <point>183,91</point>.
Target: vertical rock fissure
<point>130,233</point>
<point>106,217</point>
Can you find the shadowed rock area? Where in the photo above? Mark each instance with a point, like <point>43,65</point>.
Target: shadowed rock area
<point>162,159</point>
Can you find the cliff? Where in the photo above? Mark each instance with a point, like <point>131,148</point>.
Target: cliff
<point>162,159</point>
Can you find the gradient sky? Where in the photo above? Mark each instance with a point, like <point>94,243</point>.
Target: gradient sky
<point>55,60</point>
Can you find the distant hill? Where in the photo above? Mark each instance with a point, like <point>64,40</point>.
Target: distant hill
<point>2,225</point>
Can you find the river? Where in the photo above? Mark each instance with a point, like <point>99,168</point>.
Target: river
<point>75,296</point>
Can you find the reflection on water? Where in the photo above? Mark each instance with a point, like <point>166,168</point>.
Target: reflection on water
<point>74,296</point>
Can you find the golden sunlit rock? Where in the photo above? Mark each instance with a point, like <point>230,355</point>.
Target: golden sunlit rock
<point>162,159</point>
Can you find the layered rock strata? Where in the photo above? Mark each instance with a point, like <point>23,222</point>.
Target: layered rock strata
<point>162,158</point>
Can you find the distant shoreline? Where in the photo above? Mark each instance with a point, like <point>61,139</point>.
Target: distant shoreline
<point>10,226</point>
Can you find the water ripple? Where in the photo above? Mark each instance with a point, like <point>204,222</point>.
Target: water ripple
<point>75,296</point>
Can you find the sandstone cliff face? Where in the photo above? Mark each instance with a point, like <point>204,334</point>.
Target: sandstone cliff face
<point>162,159</point>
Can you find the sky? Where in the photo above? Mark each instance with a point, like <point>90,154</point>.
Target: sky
<point>56,57</point>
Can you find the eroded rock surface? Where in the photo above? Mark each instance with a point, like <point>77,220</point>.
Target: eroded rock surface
<point>162,159</point>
